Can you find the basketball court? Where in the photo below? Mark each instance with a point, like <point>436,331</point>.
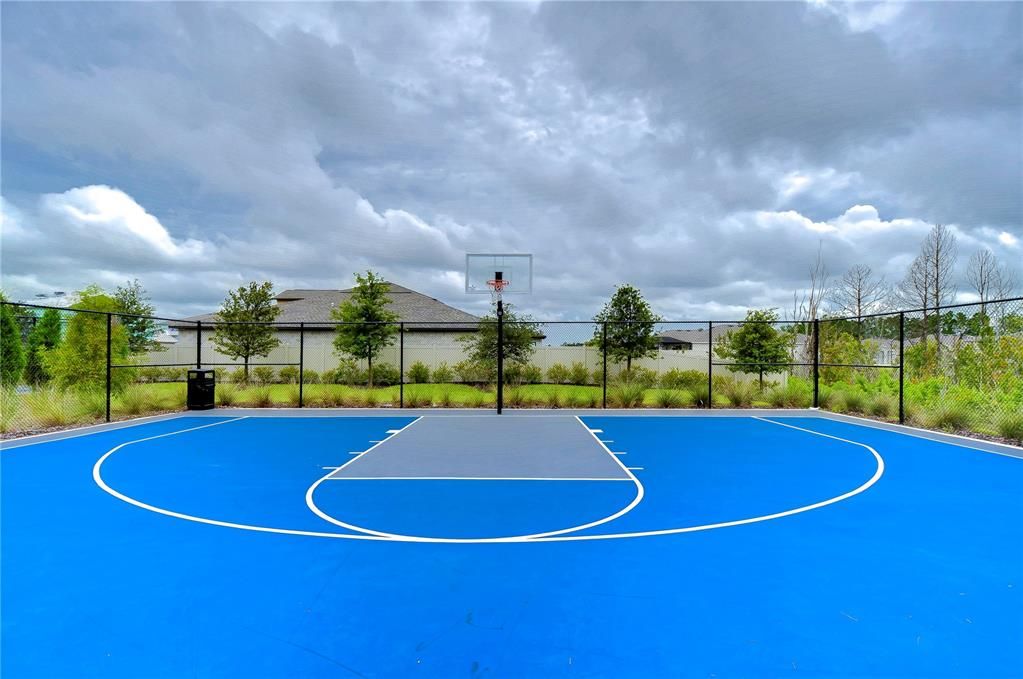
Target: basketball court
<point>258,543</point>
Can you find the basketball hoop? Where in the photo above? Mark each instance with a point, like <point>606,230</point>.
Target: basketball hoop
<point>497,286</point>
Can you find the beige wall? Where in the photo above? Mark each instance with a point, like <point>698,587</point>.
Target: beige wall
<point>432,349</point>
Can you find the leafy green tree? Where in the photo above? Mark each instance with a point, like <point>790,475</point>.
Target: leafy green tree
<point>80,360</point>
<point>367,325</point>
<point>12,354</point>
<point>755,345</point>
<point>630,326</point>
<point>244,321</point>
<point>133,299</point>
<point>520,335</point>
<point>45,336</point>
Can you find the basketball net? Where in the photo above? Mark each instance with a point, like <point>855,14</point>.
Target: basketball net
<point>497,286</point>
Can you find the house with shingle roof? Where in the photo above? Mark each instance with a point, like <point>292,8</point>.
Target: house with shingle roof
<point>306,319</point>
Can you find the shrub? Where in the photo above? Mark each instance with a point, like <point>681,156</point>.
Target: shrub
<point>513,373</point>
<point>332,398</point>
<point>419,373</point>
<point>135,402</point>
<point>578,373</point>
<point>309,376</point>
<point>553,399</point>
<point>445,399</point>
<point>442,373</point>
<point>532,374</point>
<point>417,398</point>
<point>176,398</point>
<point>1010,425</point>
<point>950,417</point>
<point>883,405</point>
<point>264,374</point>
<point>347,372</point>
<point>93,403</point>
<point>227,394</point>
<point>684,379</point>
<point>292,396</point>
<point>289,374</point>
<point>626,395</point>
<point>516,398</point>
<point>855,401</point>
<point>792,395</point>
<point>672,398</point>
<point>369,398</point>
<point>475,399</point>
<point>594,399</point>
<point>261,397</point>
<point>598,376</point>
<point>739,393</point>
<point>385,374</point>
<point>473,372</point>
<point>557,374</point>
<point>52,407</point>
<point>238,376</point>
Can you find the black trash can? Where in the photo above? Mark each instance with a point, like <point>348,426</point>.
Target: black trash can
<point>202,385</point>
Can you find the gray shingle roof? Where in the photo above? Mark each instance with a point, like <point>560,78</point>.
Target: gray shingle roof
<point>315,307</point>
<point>699,335</point>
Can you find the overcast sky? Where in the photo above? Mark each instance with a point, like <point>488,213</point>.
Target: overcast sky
<point>701,152</point>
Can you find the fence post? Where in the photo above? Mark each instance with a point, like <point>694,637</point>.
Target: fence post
<point>902,366</point>
<point>710,364</point>
<point>401,365</point>
<point>500,356</point>
<point>110,318</point>
<point>301,363</point>
<point>603,370</point>
<point>816,362</point>
<point>198,344</point>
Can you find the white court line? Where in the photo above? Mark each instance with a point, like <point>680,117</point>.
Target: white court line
<point>393,431</point>
<point>605,441</point>
<point>594,431</point>
<point>620,453</point>
<point>637,469</point>
<point>474,478</point>
<point>311,503</point>
<point>879,472</point>
<point>360,453</point>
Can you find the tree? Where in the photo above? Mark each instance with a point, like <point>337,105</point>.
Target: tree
<point>757,346</point>
<point>367,325</point>
<point>79,361</point>
<point>45,336</point>
<point>12,354</point>
<point>133,299</point>
<point>244,321</point>
<point>989,277</point>
<point>810,306</point>
<point>859,293</point>
<point>519,342</point>
<point>630,326</point>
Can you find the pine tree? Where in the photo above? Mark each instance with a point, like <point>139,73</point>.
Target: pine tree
<point>45,336</point>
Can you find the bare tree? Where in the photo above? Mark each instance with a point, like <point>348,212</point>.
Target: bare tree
<point>914,292</point>
<point>942,250</point>
<point>808,304</point>
<point>860,292</point>
<point>983,273</point>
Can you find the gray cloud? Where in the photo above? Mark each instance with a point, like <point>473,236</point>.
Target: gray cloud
<point>701,151</point>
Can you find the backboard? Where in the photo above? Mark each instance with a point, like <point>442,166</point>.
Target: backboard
<point>516,272</point>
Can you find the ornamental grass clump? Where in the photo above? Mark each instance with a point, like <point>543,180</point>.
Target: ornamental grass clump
<point>1009,424</point>
<point>626,395</point>
<point>949,417</point>
<point>883,405</point>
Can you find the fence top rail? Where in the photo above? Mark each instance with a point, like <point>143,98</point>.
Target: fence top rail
<point>94,311</point>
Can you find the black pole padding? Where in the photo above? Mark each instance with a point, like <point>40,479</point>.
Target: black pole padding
<point>603,372</point>
<point>500,354</point>
<point>710,364</point>
<point>301,362</point>
<point>109,334</point>
<point>902,367</point>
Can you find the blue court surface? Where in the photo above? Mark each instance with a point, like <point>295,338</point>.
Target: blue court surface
<point>476,545</point>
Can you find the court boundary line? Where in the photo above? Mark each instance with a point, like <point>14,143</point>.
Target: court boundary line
<point>925,434</point>
<point>97,477</point>
<point>474,478</point>
<point>531,537</point>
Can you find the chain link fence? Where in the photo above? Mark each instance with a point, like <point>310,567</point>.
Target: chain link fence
<point>958,368</point>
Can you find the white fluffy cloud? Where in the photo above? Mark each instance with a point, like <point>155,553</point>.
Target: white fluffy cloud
<point>301,143</point>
